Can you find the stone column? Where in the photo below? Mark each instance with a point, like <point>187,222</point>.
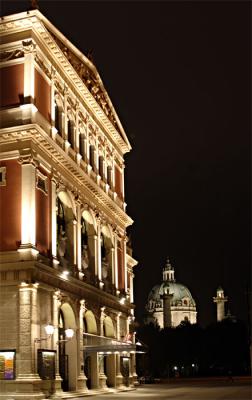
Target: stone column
<point>113,265</point>
<point>81,380</point>
<point>28,381</point>
<point>53,129</point>
<point>98,261</point>
<point>133,363</point>
<point>102,376</point>
<point>167,309</point>
<point>75,251</point>
<point>122,174</point>
<point>125,264</point>
<point>54,221</point>
<point>56,306</point>
<point>29,71</point>
<point>78,235</point>
<point>94,371</point>
<point>131,288</point>
<point>119,377</point>
<point>27,248</point>
<point>115,262</point>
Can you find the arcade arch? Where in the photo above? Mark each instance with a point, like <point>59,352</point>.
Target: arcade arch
<point>88,245</point>
<point>65,228</point>
<point>67,348</point>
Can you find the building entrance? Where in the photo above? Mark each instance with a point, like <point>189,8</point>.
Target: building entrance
<point>87,371</point>
<point>63,370</point>
<point>63,357</point>
<point>125,370</point>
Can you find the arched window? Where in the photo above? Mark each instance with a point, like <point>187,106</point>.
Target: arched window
<point>101,167</point>
<point>58,119</point>
<point>109,330</point>
<point>61,223</point>
<point>84,233</point>
<point>103,247</point>
<point>109,175</point>
<point>70,130</point>
<point>90,323</point>
<point>82,146</point>
<point>92,157</point>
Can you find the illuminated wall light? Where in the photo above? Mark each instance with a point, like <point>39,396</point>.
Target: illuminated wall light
<point>49,329</point>
<point>69,333</point>
<point>122,300</point>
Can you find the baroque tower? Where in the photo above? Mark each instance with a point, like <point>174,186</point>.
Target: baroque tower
<point>220,300</point>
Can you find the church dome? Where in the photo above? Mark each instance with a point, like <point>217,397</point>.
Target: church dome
<point>179,293</point>
<point>170,303</point>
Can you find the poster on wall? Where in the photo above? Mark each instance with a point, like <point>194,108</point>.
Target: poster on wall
<point>7,364</point>
<point>46,364</point>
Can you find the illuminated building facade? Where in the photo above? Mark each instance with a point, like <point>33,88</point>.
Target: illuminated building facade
<point>66,298</point>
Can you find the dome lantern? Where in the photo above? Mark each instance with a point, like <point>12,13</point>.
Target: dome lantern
<point>168,272</point>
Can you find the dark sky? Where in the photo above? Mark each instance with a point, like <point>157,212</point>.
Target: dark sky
<point>178,76</point>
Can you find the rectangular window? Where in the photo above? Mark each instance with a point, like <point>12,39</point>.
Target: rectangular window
<point>2,176</point>
<point>7,364</point>
<point>42,182</point>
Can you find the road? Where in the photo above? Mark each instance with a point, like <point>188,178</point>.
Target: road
<point>212,390</point>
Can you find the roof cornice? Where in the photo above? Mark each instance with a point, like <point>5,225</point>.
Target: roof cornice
<point>39,25</point>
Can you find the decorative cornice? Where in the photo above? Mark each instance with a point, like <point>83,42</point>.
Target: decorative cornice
<point>69,170</point>
<point>36,22</point>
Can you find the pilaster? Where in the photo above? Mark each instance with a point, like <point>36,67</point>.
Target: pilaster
<point>119,377</point>
<point>27,377</point>
<point>81,379</point>
<point>57,382</point>
<point>29,71</point>
<point>28,206</point>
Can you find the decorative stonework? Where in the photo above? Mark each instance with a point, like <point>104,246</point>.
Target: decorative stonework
<point>42,182</point>
<point>11,55</point>
<point>43,66</point>
<point>29,46</point>
<point>89,78</point>
<point>79,178</point>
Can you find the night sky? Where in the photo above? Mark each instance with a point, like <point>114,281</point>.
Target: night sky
<point>178,74</point>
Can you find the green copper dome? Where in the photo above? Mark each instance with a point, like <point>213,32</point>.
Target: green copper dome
<point>179,292</point>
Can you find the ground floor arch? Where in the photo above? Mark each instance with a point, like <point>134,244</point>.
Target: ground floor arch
<point>67,348</point>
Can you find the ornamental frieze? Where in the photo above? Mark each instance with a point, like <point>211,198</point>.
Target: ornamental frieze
<point>43,67</point>
<point>90,80</point>
<point>11,55</point>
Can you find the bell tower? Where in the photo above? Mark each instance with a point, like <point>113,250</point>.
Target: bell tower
<point>220,300</point>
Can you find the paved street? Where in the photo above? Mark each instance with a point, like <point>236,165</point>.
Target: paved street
<point>212,390</point>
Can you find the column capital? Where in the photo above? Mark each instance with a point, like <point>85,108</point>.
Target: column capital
<point>29,46</point>
<point>28,157</point>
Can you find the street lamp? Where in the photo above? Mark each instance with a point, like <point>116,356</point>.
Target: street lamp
<point>69,335</point>
<point>49,329</point>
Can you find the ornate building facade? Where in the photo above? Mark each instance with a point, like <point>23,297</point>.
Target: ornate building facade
<point>170,303</point>
<point>66,293</point>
